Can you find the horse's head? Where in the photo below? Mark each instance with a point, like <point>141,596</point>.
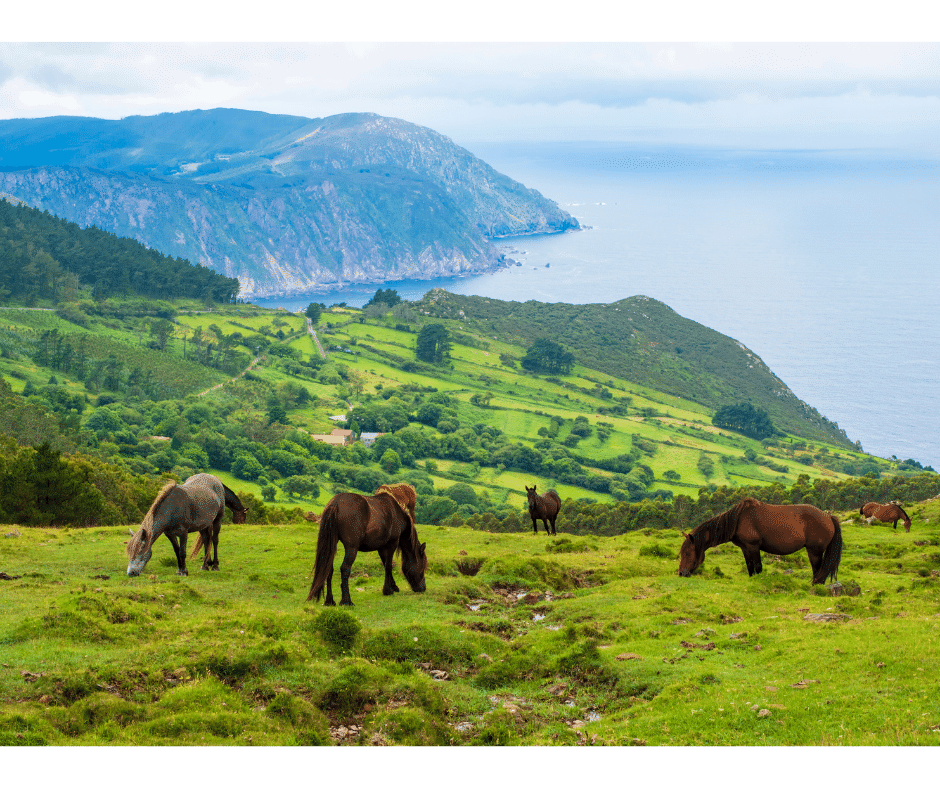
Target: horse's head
<point>530,491</point>
<point>691,556</point>
<point>139,553</point>
<point>413,566</point>
<point>239,516</point>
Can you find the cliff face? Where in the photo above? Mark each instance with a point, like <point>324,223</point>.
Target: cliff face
<point>285,204</point>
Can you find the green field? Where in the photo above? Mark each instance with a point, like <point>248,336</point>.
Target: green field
<point>564,641</point>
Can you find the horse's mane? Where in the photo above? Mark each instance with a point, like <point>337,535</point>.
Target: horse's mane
<point>142,539</point>
<point>403,493</point>
<point>406,499</point>
<point>896,505</point>
<point>720,528</point>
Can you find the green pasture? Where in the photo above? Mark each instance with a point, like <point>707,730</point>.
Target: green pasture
<point>519,639</point>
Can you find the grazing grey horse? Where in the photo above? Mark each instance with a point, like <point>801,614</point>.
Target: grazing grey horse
<point>179,510</point>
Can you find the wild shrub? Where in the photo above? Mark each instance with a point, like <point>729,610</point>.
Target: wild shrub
<point>443,647</point>
<point>23,730</point>
<point>497,733</point>
<point>358,682</point>
<point>565,545</point>
<point>524,571</point>
<point>337,628</point>
<point>298,712</point>
<point>657,551</point>
<point>510,670</point>
<point>409,727</point>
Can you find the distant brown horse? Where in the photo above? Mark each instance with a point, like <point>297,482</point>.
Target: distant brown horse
<point>887,513</point>
<point>367,522</point>
<point>754,526</point>
<point>544,508</point>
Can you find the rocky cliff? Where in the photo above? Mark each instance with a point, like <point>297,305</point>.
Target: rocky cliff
<point>285,204</point>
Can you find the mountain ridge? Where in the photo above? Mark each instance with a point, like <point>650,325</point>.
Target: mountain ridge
<point>286,204</point>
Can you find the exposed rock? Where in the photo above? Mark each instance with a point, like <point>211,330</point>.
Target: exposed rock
<point>286,204</point>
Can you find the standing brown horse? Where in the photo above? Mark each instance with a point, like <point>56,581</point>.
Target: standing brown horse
<point>379,522</point>
<point>888,513</point>
<point>754,526</point>
<point>544,508</point>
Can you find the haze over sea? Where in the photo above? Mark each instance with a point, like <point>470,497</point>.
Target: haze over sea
<point>826,264</point>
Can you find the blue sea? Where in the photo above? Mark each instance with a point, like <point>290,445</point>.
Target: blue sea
<point>826,264</point>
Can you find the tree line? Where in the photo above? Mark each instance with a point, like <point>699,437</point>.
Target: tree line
<point>44,257</point>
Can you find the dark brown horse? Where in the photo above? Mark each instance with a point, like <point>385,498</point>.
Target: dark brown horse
<point>754,526</point>
<point>179,510</point>
<point>887,513</point>
<point>379,522</point>
<point>544,508</point>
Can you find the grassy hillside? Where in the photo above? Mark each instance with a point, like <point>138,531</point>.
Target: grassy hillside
<point>518,640</point>
<point>592,433</point>
<point>642,340</point>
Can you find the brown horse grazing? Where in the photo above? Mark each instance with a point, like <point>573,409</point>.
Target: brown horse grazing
<point>544,508</point>
<point>366,522</point>
<point>888,513</point>
<point>754,526</point>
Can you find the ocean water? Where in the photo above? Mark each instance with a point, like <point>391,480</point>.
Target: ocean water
<point>826,265</point>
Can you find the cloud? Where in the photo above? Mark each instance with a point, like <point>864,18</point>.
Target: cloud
<point>803,93</point>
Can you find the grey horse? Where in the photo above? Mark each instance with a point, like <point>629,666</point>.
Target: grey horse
<point>179,510</point>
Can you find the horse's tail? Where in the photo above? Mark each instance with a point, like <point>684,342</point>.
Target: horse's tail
<point>197,547</point>
<point>833,554</point>
<point>326,549</point>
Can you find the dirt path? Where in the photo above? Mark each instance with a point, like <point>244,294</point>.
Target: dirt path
<point>241,374</point>
<point>314,335</point>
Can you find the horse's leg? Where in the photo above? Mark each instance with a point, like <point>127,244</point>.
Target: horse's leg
<point>535,526</point>
<point>386,554</point>
<point>329,601</point>
<point>214,533</point>
<point>206,535</point>
<point>180,558</point>
<point>751,559</point>
<point>554,532</point>
<point>344,571</point>
<point>215,547</point>
<point>815,561</point>
<point>181,554</point>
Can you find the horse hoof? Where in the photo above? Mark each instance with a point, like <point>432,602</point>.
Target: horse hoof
<point>329,603</point>
<point>347,604</point>
<point>215,567</point>
<point>182,573</point>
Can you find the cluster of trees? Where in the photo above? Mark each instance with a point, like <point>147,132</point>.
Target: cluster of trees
<point>44,257</point>
<point>388,298</point>
<point>434,344</point>
<point>547,357</point>
<point>40,486</point>
<point>745,418</point>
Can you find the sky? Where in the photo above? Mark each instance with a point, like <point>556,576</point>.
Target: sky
<point>515,81</point>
